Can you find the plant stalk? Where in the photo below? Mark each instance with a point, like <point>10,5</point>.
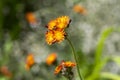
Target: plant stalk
<point>75,57</point>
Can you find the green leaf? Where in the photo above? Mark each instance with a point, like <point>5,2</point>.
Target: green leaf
<point>3,78</point>
<point>101,42</point>
<point>96,72</point>
<point>116,59</point>
<point>110,76</point>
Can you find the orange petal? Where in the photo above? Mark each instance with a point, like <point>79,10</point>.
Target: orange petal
<point>58,69</point>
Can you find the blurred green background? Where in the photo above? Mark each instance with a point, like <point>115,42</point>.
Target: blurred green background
<point>95,36</point>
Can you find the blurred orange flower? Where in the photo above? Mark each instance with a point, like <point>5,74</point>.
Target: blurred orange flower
<point>31,17</point>
<point>29,61</point>
<point>63,65</point>
<point>51,58</point>
<point>5,71</point>
<point>80,9</point>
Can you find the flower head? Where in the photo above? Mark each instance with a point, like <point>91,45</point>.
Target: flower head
<point>50,37</point>
<point>80,9</point>
<point>64,66</point>
<point>53,36</point>
<point>59,23</point>
<point>51,58</point>
<point>29,61</point>
<point>31,17</point>
<point>52,25</point>
<point>62,22</point>
<point>59,35</point>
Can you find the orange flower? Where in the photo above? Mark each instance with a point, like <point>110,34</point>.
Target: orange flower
<point>59,23</point>
<point>29,61</point>
<point>80,9</point>
<point>52,25</point>
<point>59,35</point>
<point>4,70</point>
<point>62,22</point>
<point>31,17</point>
<point>50,37</point>
<point>56,29</point>
<point>53,36</point>
<point>51,58</point>
<point>64,65</point>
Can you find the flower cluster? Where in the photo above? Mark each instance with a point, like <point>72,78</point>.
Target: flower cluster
<point>29,61</point>
<point>56,29</point>
<point>51,58</point>
<point>64,66</point>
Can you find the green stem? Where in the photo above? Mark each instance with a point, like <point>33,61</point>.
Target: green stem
<point>75,57</point>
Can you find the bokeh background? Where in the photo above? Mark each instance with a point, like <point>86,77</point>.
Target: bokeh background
<point>94,31</point>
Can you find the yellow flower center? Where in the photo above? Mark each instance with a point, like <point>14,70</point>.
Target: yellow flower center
<point>59,35</point>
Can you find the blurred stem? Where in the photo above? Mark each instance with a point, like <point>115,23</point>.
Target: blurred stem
<point>75,57</point>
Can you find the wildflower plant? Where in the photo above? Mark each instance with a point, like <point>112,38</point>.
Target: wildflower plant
<point>55,34</point>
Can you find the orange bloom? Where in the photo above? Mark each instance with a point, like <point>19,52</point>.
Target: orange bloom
<point>31,17</point>
<point>51,58</point>
<point>63,65</point>
<point>59,35</point>
<point>53,36</point>
<point>52,25</point>
<point>59,23</point>
<point>62,22</point>
<point>4,70</point>
<point>50,37</point>
<point>80,9</point>
<point>29,61</point>
<point>56,29</point>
